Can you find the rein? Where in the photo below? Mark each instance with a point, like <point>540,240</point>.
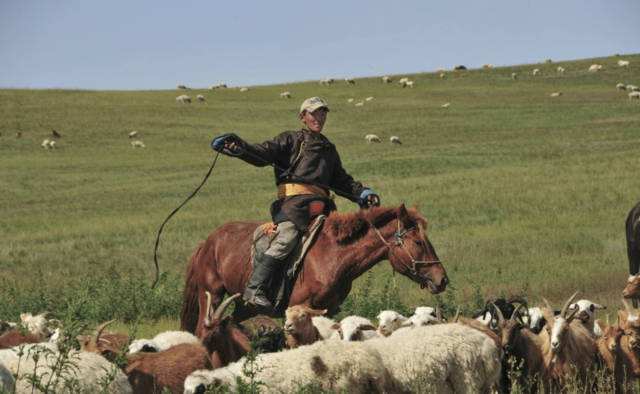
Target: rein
<point>412,268</point>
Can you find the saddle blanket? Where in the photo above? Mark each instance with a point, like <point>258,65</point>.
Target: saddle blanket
<point>284,279</point>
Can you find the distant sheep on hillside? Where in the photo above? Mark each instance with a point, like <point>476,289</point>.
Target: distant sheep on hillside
<point>372,138</point>
<point>245,89</point>
<point>621,86</point>
<point>200,98</point>
<point>386,79</point>
<point>555,94</point>
<point>560,69</point>
<point>623,63</point>
<point>184,99</point>
<point>595,67</point>
<point>394,139</point>
<point>535,71</point>
<point>138,144</point>
<point>634,95</point>
<point>286,94</point>
<point>350,81</point>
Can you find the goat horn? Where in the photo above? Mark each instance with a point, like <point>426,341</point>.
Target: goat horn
<point>547,304</point>
<point>457,315</point>
<point>220,309</point>
<point>515,312</point>
<point>208,307</point>
<point>563,311</point>
<point>101,328</point>
<point>499,313</point>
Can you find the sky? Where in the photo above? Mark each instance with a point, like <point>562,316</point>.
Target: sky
<point>143,44</point>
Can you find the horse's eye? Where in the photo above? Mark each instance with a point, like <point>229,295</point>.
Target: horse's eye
<point>418,242</point>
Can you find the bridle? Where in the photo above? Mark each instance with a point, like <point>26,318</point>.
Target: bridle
<point>412,267</point>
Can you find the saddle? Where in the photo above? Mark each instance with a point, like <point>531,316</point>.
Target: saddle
<point>283,280</point>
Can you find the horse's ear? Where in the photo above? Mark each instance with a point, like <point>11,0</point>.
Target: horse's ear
<point>403,214</point>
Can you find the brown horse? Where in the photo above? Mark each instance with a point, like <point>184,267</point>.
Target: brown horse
<point>348,245</point>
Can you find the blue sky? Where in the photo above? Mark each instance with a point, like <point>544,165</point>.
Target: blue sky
<point>144,44</point>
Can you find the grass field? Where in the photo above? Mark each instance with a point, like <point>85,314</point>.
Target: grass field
<point>523,192</point>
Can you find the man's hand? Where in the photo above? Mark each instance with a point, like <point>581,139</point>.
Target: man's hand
<point>227,143</point>
<point>368,199</point>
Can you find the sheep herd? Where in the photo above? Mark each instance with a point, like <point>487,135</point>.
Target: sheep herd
<point>505,343</point>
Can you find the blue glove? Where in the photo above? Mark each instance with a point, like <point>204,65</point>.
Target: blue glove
<point>219,143</point>
<point>368,198</point>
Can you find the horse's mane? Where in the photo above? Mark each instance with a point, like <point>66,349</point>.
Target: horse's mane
<point>349,227</point>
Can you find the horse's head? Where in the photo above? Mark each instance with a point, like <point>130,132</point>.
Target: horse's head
<point>412,254</point>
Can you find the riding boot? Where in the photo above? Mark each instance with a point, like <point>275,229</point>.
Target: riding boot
<point>256,291</point>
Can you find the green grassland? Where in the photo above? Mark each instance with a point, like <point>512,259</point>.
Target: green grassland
<point>523,192</point>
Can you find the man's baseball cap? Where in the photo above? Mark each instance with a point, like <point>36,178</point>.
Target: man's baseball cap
<point>313,103</point>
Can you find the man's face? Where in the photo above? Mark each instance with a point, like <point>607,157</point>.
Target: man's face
<point>314,120</point>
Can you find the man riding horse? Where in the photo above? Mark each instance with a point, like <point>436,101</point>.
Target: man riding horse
<point>307,166</point>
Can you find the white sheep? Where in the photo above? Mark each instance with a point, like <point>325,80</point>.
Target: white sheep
<point>595,67</point>
<point>286,94</point>
<point>45,143</point>
<point>535,71</point>
<point>423,316</point>
<point>244,89</point>
<point>369,98</point>
<point>445,105</point>
<point>442,75</point>
<point>36,324</point>
<point>408,84</point>
<point>514,76</point>
<point>350,100</point>
<point>359,104</point>
<point>372,138</point>
<point>394,139</point>
<point>623,63</point>
<point>350,81</point>
<point>560,69</point>
<point>326,327</point>
<point>133,134</point>
<point>634,95</point>
<point>441,358</point>
<point>621,86</point>
<point>356,328</point>
<point>387,79</point>
<point>138,144</point>
<point>390,321</point>
<point>162,341</point>
<point>586,312</point>
<point>632,88</point>
<point>326,81</point>
<point>555,94</point>
<point>201,98</point>
<point>403,80</point>
<point>89,372</point>
<point>487,66</point>
<point>184,99</point>
<point>349,367</point>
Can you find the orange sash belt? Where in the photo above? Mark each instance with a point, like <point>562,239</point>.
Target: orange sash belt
<point>295,189</point>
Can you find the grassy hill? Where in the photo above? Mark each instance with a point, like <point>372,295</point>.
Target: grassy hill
<point>523,192</point>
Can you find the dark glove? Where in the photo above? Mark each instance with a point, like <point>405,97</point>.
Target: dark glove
<point>227,143</point>
<point>368,199</point>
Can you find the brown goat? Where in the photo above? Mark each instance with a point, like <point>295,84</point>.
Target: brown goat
<point>15,337</point>
<point>632,288</point>
<point>611,353</point>
<point>524,345</point>
<point>571,349</point>
<point>149,372</point>
<point>298,327</point>
<point>154,372</point>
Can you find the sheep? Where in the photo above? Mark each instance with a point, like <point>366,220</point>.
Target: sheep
<point>350,100</point>
<point>286,94</point>
<point>487,66</point>
<point>387,79</point>
<point>355,328</point>
<point>90,370</point>
<point>201,98</point>
<point>326,81</point>
<point>138,144</point>
<point>425,315</point>
<point>571,347</point>
<point>218,86</point>
<point>535,71</point>
<point>133,134</point>
<point>32,329</point>
<point>612,355</point>
<point>326,327</point>
<point>298,326</point>
<point>560,70</point>
<point>55,134</point>
<point>390,321</point>
<point>403,80</point>
<point>52,144</point>
<point>586,313</point>
<point>394,139</point>
<point>535,319</point>
<point>369,98</point>
<point>445,105</point>
<point>442,75</point>
<point>184,99</point>
<point>623,63</point>
<point>15,337</point>
<point>487,315</point>
<point>621,86</point>
<point>338,366</point>
<point>45,143</point>
<point>633,88</point>
<point>408,84</point>
<point>634,95</point>
<point>555,94</point>
<point>595,67</point>
<point>162,341</point>
<point>350,81</point>
<point>244,89</point>
<point>632,288</point>
<point>514,76</point>
<point>359,104</point>
<point>372,138</point>
<point>444,358</point>
<point>6,326</point>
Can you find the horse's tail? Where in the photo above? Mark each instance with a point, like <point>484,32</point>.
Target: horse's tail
<point>190,305</point>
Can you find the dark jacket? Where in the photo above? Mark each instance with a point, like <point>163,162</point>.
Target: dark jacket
<point>302,156</point>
